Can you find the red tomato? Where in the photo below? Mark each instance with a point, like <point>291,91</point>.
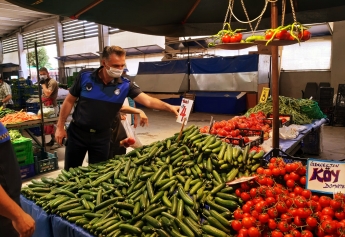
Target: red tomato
<point>328,211</point>
<point>238,192</point>
<point>268,35</point>
<point>306,35</point>
<point>245,186</point>
<point>246,208</point>
<point>298,221</point>
<point>314,197</point>
<point>269,182</point>
<point>300,202</point>
<point>260,170</point>
<point>253,192</point>
<point>282,171</point>
<point>340,215</point>
<point>272,212</point>
<point>290,183</point>
<point>301,170</point>
<point>270,201</point>
<point>276,233</point>
<point>294,176</point>
<point>275,172</point>
<point>303,180</point>
<point>255,214</point>
<point>304,212</point>
<point>245,196</point>
<point>238,37</point>
<point>341,228</point>
<point>236,225</point>
<point>286,217</point>
<point>263,218</point>
<point>311,221</point>
<point>298,190</point>
<point>324,201</point>
<point>254,232</point>
<point>328,226</point>
<point>281,207</point>
<point>247,222</point>
<point>312,205</point>
<point>243,232</point>
<point>306,233</point>
<point>267,172</point>
<point>335,204</point>
<point>259,207</point>
<point>295,233</point>
<point>306,193</point>
<point>281,34</point>
<point>283,226</point>
<point>294,167</point>
<point>288,168</point>
<point>272,224</point>
<point>238,214</point>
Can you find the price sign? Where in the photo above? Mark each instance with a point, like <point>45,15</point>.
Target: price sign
<point>185,108</point>
<point>264,94</point>
<point>325,176</point>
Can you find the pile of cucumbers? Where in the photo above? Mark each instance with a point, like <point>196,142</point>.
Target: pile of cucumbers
<point>175,187</point>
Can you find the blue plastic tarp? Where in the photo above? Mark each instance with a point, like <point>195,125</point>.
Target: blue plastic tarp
<point>51,225</point>
<point>243,63</point>
<point>164,67</point>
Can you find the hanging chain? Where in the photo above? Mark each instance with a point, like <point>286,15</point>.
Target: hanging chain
<point>231,4</point>
<point>250,22</point>
<point>283,11</point>
<point>293,11</point>
<point>231,7</point>
<point>257,18</point>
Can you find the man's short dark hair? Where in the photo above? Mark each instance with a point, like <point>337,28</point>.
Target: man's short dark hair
<point>43,69</point>
<point>117,50</point>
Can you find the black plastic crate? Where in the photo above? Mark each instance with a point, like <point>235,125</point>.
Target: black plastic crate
<point>326,92</point>
<point>46,165</point>
<point>286,157</point>
<point>325,103</point>
<point>311,143</point>
<point>339,111</point>
<point>341,89</point>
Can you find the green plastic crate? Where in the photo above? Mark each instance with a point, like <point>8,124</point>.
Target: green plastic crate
<point>23,151</point>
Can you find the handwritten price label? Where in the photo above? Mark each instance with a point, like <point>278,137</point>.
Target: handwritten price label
<point>325,176</point>
<point>185,108</point>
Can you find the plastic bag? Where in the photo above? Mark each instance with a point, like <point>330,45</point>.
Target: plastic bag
<point>131,133</point>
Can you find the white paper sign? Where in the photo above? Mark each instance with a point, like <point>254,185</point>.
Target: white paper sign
<point>185,108</point>
<point>241,180</point>
<point>325,176</point>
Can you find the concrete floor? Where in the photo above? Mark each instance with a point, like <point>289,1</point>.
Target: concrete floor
<point>163,124</point>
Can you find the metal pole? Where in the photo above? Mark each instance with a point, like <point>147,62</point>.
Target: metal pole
<point>275,81</point>
<point>40,98</point>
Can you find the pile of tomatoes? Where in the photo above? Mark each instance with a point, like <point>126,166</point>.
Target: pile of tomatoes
<point>232,38</point>
<point>271,209</point>
<point>286,35</point>
<point>255,121</point>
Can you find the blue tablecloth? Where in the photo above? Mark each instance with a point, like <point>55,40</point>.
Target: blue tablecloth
<point>286,144</point>
<point>51,225</point>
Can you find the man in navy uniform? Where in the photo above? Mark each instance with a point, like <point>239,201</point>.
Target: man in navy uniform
<point>101,94</point>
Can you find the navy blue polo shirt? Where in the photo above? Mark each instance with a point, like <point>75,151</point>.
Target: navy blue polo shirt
<point>98,103</point>
<point>4,136</point>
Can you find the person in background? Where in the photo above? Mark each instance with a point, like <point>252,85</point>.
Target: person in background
<point>14,222</point>
<point>100,95</point>
<point>5,95</point>
<point>28,81</point>
<point>49,95</point>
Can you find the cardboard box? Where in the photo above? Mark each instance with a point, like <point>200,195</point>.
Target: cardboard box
<point>262,49</point>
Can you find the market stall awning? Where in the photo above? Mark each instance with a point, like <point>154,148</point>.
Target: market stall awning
<point>148,49</point>
<point>181,17</point>
<point>78,57</point>
<point>7,65</point>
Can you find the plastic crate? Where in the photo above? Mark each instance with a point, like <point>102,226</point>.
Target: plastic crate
<point>244,132</point>
<point>311,143</point>
<point>326,92</point>
<point>27,171</point>
<point>341,89</point>
<point>325,103</point>
<point>287,158</point>
<point>32,107</point>
<point>23,151</point>
<point>36,131</point>
<point>288,118</point>
<point>46,165</point>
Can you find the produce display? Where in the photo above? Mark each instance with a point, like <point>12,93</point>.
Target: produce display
<point>169,188</point>
<point>301,110</point>
<point>5,111</point>
<point>17,117</point>
<point>227,35</point>
<point>230,128</point>
<point>276,204</point>
<point>15,135</point>
<point>294,31</point>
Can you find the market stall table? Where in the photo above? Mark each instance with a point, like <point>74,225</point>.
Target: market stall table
<point>31,124</point>
<point>48,225</point>
<point>293,145</point>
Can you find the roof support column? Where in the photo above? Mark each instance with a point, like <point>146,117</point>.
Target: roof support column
<point>60,49</point>
<point>103,37</point>
<point>23,66</point>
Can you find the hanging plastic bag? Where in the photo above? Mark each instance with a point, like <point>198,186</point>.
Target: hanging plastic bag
<point>131,133</point>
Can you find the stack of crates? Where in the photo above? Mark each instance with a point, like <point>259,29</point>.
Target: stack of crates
<point>34,108</point>
<point>339,109</point>
<point>326,95</point>
<point>25,157</point>
<point>21,92</point>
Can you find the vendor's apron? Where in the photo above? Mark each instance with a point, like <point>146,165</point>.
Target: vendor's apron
<point>48,129</point>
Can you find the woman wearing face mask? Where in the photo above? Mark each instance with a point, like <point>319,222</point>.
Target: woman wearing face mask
<point>50,92</point>
<point>100,95</point>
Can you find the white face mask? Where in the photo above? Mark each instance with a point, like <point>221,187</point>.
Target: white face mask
<point>43,77</point>
<point>114,72</point>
